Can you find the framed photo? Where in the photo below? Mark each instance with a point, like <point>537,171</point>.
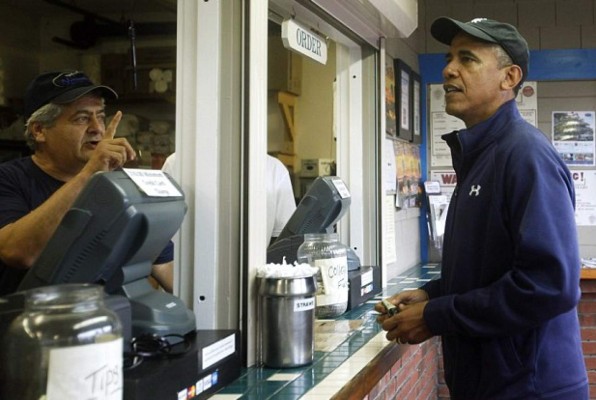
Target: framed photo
<point>416,120</point>
<point>402,95</point>
<point>390,119</point>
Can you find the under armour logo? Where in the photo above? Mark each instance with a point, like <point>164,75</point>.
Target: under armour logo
<point>476,20</point>
<point>474,190</point>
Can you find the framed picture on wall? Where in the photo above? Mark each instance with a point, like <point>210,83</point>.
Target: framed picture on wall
<point>416,119</point>
<point>390,120</point>
<point>403,91</point>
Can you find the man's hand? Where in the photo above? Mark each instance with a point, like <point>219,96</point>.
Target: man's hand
<point>164,275</point>
<point>408,325</point>
<point>400,299</point>
<point>113,125</point>
<point>110,153</point>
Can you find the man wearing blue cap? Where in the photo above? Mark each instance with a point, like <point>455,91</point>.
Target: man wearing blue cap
<point>65,127</point>
<point>505,304</point>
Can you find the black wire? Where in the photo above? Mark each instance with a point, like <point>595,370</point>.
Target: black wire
<point>133,52</point>
<point>151,346</point>
<point>130,361</point>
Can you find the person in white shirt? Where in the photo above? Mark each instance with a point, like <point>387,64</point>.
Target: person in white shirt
<point>280,195</point>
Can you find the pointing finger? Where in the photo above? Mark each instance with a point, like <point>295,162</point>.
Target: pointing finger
<point>111,129</point>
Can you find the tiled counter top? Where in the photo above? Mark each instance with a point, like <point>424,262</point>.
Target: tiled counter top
<point>360,341</point>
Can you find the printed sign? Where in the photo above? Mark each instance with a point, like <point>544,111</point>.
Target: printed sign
<point>153,182</point>
<point>573,136</point>
<point>304,41</point>
<point>341,187</point>
<point>585,197</point>
<point>218,351</point>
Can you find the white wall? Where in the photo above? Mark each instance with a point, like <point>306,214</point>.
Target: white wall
<point>406,221</point>
<point>314,110</point>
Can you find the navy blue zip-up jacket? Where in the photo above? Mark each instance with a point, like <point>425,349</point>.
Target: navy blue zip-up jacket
<point>505,305</point>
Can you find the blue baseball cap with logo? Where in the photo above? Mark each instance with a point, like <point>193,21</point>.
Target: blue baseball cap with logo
<point>61,88</point>
<point>505,35</point>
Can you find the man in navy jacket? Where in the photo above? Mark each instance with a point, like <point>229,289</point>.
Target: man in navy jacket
<point>505,304</point>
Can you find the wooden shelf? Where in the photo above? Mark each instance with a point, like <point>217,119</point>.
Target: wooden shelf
<point>588,273</point>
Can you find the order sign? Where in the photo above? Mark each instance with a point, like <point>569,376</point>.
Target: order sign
<point>303,40</point>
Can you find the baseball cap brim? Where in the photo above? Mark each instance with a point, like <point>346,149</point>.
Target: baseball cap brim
<point>444,30</point>
<point>76,93</point>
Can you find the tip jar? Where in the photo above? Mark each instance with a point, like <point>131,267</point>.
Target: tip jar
<point>325,252</point>
<point>65,345</point>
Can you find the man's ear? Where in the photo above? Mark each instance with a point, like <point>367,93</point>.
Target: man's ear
<point>38,132</point>
<point>513,77</point>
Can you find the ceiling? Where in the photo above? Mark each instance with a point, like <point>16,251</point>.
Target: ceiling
<point>125,8</point>
<point>92,20</point>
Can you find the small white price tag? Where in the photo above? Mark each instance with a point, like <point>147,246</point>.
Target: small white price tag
<point>341,187</point>
<point>153,182</point>
<point>432,187</point>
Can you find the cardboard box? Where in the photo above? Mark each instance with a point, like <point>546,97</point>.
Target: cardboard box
<point>311,168</point>
<point>365,283</point>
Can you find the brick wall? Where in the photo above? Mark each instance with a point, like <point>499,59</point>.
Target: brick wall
<point>587,320</point>
<point>413,377</point>
<point>442,390</point>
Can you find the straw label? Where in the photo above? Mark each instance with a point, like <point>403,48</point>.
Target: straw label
<point>304,304</point>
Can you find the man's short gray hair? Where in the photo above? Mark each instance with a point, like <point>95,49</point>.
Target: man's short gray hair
<point>504,60</point>
<point>46,116</point>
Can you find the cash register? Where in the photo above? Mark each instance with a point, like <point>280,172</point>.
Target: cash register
<point>110,236</point>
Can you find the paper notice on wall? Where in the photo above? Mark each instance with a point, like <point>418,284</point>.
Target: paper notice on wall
<point>440,124</point>
<point>573,136</point>
<point>527,102</point>
<point>585,197</point>
<point>447,179</point>
<point>389,169</point>
<point>389,249</point>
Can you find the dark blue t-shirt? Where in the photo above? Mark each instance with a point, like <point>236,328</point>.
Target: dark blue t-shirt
<point>23,188</point>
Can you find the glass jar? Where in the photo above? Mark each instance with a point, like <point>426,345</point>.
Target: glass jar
<point>325,252</point>
<point>65,345</point>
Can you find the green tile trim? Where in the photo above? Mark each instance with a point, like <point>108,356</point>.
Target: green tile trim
<point>253,383</point>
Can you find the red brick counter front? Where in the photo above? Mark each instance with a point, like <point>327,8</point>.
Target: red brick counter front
<point>398,372</point>
<point>416,372</point>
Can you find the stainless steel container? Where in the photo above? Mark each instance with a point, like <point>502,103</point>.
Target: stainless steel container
<point>287,314</point>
